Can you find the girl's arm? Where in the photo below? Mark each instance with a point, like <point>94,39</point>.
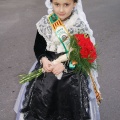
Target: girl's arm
<point>39,49</point>
<point>39,46</point>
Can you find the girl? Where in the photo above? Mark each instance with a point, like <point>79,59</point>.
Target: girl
<point>59,93</point>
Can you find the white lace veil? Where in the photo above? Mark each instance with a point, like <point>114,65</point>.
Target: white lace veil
<point>78,9</point>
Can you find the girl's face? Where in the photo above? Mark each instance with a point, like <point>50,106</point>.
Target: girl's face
<point>63,8</point>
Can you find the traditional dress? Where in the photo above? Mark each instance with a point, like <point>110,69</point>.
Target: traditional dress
<point>47,98</point>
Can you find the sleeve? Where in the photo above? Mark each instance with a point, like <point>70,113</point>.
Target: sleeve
<point>39,46</point>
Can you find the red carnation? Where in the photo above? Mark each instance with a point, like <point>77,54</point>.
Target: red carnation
<point>87,49</point>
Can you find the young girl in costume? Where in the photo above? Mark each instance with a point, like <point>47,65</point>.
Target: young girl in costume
<point>59,93</point>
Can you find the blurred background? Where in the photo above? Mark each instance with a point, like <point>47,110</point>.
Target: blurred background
<point>17,35</point>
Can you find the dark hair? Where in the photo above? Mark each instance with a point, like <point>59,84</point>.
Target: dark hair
<point>73,0</point>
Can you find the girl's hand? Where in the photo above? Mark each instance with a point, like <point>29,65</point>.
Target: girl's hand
<point>58,68</point>
<point>47,65</point>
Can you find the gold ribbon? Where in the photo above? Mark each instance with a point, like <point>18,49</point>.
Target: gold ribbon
<point>97,92</point>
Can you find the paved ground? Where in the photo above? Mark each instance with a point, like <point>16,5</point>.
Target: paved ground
<point>17,33</point>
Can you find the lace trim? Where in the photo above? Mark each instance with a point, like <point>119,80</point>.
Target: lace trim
<point>74,25</point>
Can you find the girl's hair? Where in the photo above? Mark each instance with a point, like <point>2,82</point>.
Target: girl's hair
<point>73,0</point>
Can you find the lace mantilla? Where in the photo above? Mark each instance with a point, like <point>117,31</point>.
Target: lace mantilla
<point>74,25</point>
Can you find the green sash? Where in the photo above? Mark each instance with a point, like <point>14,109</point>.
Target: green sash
<point>61,32</point>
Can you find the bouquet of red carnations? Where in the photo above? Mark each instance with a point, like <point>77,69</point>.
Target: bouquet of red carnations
<point>83,52</point>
